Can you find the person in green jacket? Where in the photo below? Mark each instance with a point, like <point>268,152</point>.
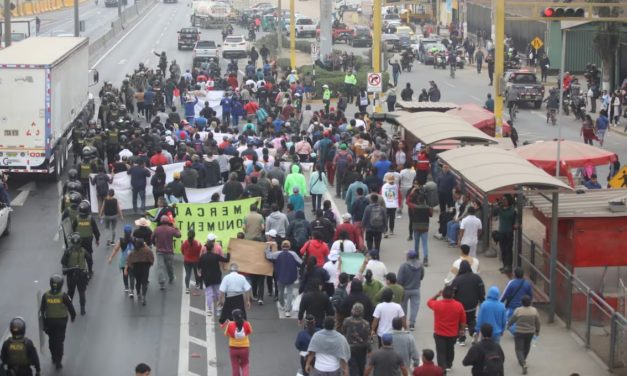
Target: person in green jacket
<point>349,85</point>
<point>295,179</point>
<point>326,97</point>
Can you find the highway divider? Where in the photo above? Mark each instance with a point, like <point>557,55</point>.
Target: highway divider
<point>129,16</point>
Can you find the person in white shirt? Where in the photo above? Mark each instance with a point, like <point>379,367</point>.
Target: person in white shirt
<point>465,256</point>
<point>470,231</point>
<point>390,195</point>
<point>385,312</point>
<point>234,293</point>
<point>333,268</point>
<point>343,244</point>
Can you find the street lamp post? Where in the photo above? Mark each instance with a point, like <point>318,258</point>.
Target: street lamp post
<point>376,47</point>
<point>77,30</point>
<point>499,62</point>
<point>292,35</point>
<point>7,23</point>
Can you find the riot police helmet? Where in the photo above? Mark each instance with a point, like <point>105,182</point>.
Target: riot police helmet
<point>125,81</point>
<point>75,198</point>
<point>72,174</point>
<point>92,123</point>
<point>75,186</point>
<point>86,152</point>
<point>84,208</point>
<point>75,238</point>
<point>91,133</point>
<point>17,327</point>
<point>56,283</point>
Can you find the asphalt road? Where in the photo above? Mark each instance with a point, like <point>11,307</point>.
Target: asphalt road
<point>98,19</point>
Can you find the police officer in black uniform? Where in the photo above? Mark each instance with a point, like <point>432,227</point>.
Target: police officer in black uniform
<point>87,228</point>
<point>18,352</point>
<point>74,262</point>
<point>55,308</point>
<point>86,166</point>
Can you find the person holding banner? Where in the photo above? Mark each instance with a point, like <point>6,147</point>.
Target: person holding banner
<point>234,294</point>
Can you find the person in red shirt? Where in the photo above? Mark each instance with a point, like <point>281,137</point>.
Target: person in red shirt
<point>316,248</point>
<point>251,108</point>
<point>354,234</point>
<point>428,368</point>
<point>422,166</point>
<point>449,322</point>
<point>191,255</point>
<point>232,81</point>
<point>158,159</point>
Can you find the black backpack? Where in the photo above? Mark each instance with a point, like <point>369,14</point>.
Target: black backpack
<point>102,184</point>
<point>492,362</point>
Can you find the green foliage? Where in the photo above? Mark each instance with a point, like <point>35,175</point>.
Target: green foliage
<point>335,79</point>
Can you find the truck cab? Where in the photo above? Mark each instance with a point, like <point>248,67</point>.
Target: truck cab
<point>187,37</point>
<point>21,28</point>
<point>523,86</point>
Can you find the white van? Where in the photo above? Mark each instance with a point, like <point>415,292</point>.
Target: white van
<point>354,5</point>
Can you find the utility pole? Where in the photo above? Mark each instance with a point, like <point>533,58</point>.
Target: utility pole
<point>77,31</point>
<point>279,30</point>
<point>376,47</point>
<point>7,23</point>
<point>119,8</point>
<point>499,62</point>
<point>292,35</point>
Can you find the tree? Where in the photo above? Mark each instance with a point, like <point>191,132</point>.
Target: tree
<point>606,40</point>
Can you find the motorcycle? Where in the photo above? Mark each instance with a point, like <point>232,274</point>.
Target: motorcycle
<point>406,64</point>
<point>251,35</point>
<point>513,63</point>
<point>551,115</point>
<point>439,62</point>
<point>578,107</point>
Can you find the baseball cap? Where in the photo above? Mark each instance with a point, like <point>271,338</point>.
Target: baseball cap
<point>347,217</point>
<point>272,233</point>
<point>386,339</point>
<point>374,254</point>
<point>211,237</point>
<point>412,254</point>
<point>343,147</point>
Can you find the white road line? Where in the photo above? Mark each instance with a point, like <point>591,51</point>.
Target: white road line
<point>475,98</point>
<point>212,355</point>
<point>197,311</point>
<point>157,42</point>
<point>197,341</point>
<point>449,84</point>
<point>122,61</point>
<point>542,116</point>
<point>184,333</point>
<point>123,37</point>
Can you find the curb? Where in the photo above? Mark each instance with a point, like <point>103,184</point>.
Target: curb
<point>618,130</point>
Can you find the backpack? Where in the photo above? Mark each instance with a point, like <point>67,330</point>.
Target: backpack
<point>328,214</point>
<point>339,295</point>
<point>318,225</point>
<point>492,362</point>
<point>102,184</point>
<point>342,162</point>
<point>198,147</point>
<point>377,216</point>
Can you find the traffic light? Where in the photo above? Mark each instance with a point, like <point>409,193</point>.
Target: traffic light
<point>557,12</point>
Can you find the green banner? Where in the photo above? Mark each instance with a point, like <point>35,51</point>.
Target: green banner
<point>224,219</point>
<point>351,262</point>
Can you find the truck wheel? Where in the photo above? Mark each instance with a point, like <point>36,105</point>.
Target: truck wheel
<point>537,104</point>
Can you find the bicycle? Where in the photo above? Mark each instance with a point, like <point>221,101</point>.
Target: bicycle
<point>551,115</point>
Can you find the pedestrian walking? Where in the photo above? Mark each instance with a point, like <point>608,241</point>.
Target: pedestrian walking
<point>234,294</point>
<point>19,354</point>
<point>210,268</point>
<point>384,313</point>
<point>391,195</point>
<point>110,211</point>
<point>318,186</point>
<point>238,331</point>
<point>508,219</point>
<point>374,222</point>
<point>356,330</point>
<point>492,312</point>
<point>470,230</point>
<point>428,368</point>
<point>87,228</point>
<point>479,56</point>
<point>315,302</point>
<point>386,361</point>
<point>191,255</point>
<point>125,246</point>
<point>74,263</point>
<point>138,173</point>
<point>410,276</point>
<point>490,61</point>
<point>330,350</point>
<point>303,338</point>
<point>286,267</point>
<point>419,215</point>
<point>138,264</point>
<point>470,292</point>
<point>404,344</point>
<point>55,308</point>
<point>515,289</point>
<point>486,357</point>
<point>449,321</point>
<point>601,126</point>
<point>163,238</point>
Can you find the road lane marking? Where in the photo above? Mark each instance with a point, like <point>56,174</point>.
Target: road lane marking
<point>122,61</point>
<point>123,38</point>
<point>184,332</point>
<point>542,116</point>
<point>157,42</point>
<point>449,84</point>
<point>475,98</point>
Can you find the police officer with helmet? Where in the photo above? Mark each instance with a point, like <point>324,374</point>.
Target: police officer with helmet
<point>55,308</point>
<point>18,352</point>
<point>74,262</point>
<point>87,228</point>
<point>86,166</point>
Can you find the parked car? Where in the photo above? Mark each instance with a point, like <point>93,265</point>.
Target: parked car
<point>361,36</point>
<point>187,37</point>
<point>305,27</point>
<point>235,46</point>
<point>391,42</point>
<point>205,50</point>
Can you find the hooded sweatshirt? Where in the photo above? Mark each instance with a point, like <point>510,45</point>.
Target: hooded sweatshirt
<point>492,311</point>
<point>357,295</point>
<point>410,274</point>
<point>468,286</point>
<point>295,179</point>
<point>277,221</point>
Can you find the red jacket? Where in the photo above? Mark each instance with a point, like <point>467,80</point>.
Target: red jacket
<point>353,233</point>
<point>191,251</point>
<point>428,369</point>
<point>158,160</point>
<point>317,249</point>
<point>251,108</point>
<point>448,316</point>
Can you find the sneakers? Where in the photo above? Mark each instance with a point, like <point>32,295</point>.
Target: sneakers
<point>385,235</point>
<point>130,295</point>
<point>410,239</point>
<point>524,369</point>
<point>426,263</point>
<point>209,312</point>
<point>83,312</point>
<point>288,314</point>
<point>162,287</point>
<point>438,236</point>
<point>187,291</point>
<point>461,343</point>
<point>143,300</point>
<point>412,328</point>
<point>260,302</point>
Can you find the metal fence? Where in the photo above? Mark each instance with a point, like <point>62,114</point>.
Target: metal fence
<point>602,328</point>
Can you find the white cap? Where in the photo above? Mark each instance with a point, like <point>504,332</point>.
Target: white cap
<point>347,216</point>
<point>211,237</point>
<point>272,233</point>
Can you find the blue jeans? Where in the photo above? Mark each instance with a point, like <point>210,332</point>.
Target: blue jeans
<point>424,237</point>
<point>142,196</point>
<point>452,228</point>
<point>413,298</point>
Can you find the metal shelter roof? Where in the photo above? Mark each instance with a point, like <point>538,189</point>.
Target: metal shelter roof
<point>493,169</point>
<point>592,203</point>
<point>40,50</point>
<point>430,127</point>
<point>415,106</point>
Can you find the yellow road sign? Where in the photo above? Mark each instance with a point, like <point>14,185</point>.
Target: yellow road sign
<point>620,179</point>
<point>537,43</point>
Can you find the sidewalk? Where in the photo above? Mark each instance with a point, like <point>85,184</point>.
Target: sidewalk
<point>35,7</point>
<point>557,351</point>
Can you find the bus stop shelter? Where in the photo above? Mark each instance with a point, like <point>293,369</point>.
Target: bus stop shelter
<point>487,171</point>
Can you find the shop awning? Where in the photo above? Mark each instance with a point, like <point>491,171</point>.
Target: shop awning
<point>572,153</point>
<point>492,169</point>
<point>592,203</point>
<point>430,127</point>
<point>415,106</point>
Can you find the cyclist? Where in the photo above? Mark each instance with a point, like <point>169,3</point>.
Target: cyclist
<point>552,105</point>
<point>452,61</point>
